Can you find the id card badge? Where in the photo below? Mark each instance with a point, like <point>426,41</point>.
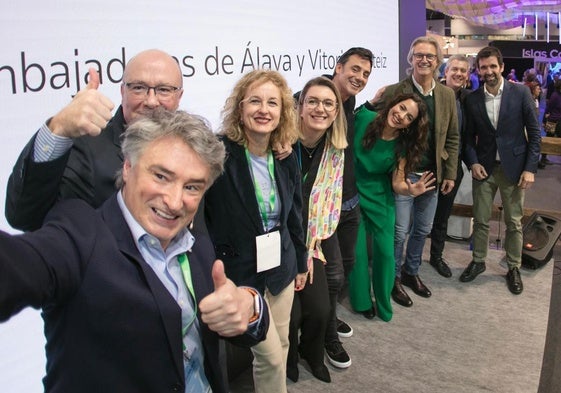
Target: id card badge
<point>268,251</point>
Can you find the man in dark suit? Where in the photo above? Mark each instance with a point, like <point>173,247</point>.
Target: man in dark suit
<point>350,76</point>
<point>502,147</point>
<point>132,300</point>
<point>76,153</point>
<point>456,75</point>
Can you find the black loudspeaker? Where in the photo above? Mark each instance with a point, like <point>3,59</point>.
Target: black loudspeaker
<point>539,235</point>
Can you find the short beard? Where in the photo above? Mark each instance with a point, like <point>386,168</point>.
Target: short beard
<point>494,82</point>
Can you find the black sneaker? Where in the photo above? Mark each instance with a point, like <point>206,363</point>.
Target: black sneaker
<point>337,355</point>
<point>344,329</point>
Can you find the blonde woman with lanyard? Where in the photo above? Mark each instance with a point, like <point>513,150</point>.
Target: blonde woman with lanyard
<point>320,153</point>
<point>253,211</point>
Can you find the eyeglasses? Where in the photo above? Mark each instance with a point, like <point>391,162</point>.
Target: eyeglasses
<point>313,103</point>
<point>428,56</point>
<point>142,90</point>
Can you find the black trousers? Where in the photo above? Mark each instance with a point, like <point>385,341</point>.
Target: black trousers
<point>341,247</point>
<point>441,216</point>
<point>311,303</point>
<point>309,315</point>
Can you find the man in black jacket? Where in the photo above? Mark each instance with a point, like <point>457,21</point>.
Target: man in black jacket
<point>350,77</point>
<point>456,74</point>
<point>77,152</point>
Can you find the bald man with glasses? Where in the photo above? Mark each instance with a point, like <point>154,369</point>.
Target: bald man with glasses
<point>77,152</point>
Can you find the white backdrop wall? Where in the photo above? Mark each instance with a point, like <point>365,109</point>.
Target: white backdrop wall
<point>47,47</point>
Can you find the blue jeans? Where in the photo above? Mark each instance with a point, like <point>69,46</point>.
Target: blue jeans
<point>413,216</point>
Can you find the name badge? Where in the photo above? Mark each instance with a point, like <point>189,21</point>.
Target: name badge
<point>268,251</point>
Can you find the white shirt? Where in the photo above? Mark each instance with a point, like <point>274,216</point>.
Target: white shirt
<point>420,88</point>
<point>493,106</point>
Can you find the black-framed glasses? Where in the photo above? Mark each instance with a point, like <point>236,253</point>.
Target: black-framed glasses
<point>313,103</point>
<point>161,91</point>
<point>429,56</point>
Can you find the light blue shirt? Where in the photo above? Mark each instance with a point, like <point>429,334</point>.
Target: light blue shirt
<point>166,266</point>
<point>48,146</point>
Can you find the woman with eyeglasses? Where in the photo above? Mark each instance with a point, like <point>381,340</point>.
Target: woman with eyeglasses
<point>388,144</point>
<point>253,211</point>
<point>320,154</point>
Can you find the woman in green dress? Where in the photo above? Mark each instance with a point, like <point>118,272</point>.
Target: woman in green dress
<point>387,145</point>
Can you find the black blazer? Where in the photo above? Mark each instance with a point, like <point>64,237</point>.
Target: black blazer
<point>517,137</point>
<point>87,171</point>
<point>110,323</point>
<point>233,221</point>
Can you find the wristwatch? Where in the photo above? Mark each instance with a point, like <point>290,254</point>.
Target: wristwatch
<point>256,304</point>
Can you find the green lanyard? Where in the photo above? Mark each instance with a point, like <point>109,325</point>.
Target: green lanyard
<point>258,194</point>
<point>186,271</point>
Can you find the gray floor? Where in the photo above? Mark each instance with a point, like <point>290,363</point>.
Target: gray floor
<point>474,337</point>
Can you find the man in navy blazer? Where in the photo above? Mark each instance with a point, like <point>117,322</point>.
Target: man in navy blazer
<point>132,300</point>
<point>502,148</point>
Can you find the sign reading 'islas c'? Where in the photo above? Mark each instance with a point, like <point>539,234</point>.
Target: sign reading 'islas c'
<point>532,53</point>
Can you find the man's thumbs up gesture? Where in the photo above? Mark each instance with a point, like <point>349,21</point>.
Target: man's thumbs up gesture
<point>87,114</point>
<point>228,309</point>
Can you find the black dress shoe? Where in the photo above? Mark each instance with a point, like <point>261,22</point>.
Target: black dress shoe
<point>441,267</point>
<point>514,281</point>
<point>292,373</point>
<point>322,373</point>
<point>414,282</point>
<point>369,314</point>
<point>473,270</point>
<point>399,295</point>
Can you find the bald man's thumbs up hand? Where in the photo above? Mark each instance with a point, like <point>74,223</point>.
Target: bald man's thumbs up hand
<point>228,309</point>
<point>87,114</point>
